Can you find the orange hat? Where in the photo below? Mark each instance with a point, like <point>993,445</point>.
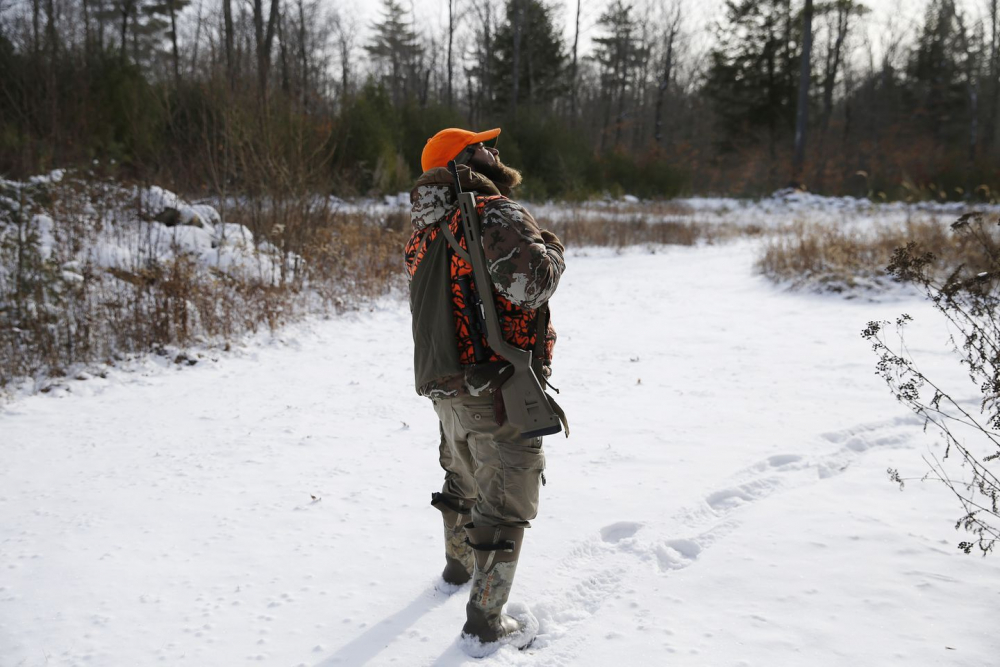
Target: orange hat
<point>448,143</point>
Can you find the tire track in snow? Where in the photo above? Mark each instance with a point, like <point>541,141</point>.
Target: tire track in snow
<point>601,566</point>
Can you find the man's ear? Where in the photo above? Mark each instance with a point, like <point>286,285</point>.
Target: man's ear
<point>464,156</point>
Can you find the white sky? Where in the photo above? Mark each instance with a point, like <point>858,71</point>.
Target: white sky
<point>887,16</point>
<point>434,13</point>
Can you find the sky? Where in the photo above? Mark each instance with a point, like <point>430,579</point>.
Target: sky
<point>701,13</point>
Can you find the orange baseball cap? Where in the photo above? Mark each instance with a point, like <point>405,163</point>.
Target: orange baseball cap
<point>448,143</point>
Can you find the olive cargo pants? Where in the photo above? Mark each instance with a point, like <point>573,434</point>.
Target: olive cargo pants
<point>488,466</point>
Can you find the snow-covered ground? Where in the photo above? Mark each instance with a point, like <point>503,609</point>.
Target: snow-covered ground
<point>722,500</point>
<point>784,209</point>
<point>780,210</point>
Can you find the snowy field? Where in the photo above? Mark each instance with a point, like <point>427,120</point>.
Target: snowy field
<point>722,500</point>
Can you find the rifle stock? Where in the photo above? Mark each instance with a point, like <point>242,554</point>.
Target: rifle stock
<point>528,406</point>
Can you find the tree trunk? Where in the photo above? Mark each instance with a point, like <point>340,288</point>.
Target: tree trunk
<point>100,29</point>
<point>831,68</point>
<point>227,13</point>
<point>51,34</point>
<point>516,57</point>
<point>834,55</point>
<point>573,67</point>
<point>126,10</point>
<point>472,102</point>
<point>973,120</point>
<point>286,85</point>
<point>531,76</point>
<point>451,38</point>
<point>344,42</point>
<point>36,12</point>
<point>802,112</point>
<point>173,42</point>
<point>87,38</point>
<point>264,40</point>
<point>487,51</point>
<point>304,50</point>
<point>772,95</point>
<point>622,87</point>
<point>668,66</point>
<point>197,41</point>
<point>641,78</point>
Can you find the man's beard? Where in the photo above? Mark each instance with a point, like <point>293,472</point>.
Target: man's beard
<point>504,177</point>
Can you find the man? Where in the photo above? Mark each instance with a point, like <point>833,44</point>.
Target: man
<point>492,475</point>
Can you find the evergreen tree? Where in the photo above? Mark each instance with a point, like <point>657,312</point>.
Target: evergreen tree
<point>396,48</point>
<point>618,51</point>
<point>529,44</point>
<point>752,76</point>
<point>938,70</point>
<point>165,13</point>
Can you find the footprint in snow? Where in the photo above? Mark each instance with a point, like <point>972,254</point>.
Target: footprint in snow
<point>779,460</point>
<point>619,531</point>
<point>677,554</point>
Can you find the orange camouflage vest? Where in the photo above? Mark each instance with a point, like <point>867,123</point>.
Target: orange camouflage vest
<point>520,325</point>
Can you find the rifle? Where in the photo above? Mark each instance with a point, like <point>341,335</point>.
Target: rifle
<point>528,406</point>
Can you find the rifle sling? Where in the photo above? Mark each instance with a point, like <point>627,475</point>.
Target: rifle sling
<point>453,242</point>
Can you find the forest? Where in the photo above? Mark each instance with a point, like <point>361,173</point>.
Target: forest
<point>212,97</point>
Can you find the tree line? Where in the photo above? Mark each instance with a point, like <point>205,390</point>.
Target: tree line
<point>272,96</point>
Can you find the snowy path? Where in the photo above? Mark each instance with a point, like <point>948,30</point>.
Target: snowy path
<point>722,500</point>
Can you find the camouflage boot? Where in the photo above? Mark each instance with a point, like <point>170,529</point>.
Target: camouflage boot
<point>459,560</point>
<point>497,549</point>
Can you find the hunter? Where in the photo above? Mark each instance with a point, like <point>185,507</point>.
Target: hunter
<point>492,475</point>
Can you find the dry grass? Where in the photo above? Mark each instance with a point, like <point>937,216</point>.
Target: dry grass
<point>589,232</point>
<point>833,259</point>
<point>657,223</point>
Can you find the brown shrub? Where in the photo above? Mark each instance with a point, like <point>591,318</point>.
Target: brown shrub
<point>835,259</point>
<point>618,234</point>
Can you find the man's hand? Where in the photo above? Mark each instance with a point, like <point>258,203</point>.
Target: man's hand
<point>551,239</point>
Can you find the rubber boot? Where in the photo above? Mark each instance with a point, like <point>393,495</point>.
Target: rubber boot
<point>459,559</point>
<point>496,551</point>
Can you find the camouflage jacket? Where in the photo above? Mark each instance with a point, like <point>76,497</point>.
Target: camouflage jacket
<point>525,273</point>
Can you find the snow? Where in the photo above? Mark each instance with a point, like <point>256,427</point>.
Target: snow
<point>722,500</point>
<point>120,238</point>
<point>783,210</point>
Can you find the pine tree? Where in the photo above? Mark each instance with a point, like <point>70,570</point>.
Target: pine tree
<point>618,51</point>
<point>938,71</point>
<point>396,48</point>
<point>752,76</point>
<point>529,44</point>
<point>167,12</point>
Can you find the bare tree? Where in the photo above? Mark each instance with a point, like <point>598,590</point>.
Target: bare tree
<point>518,19</point>
<point>264,39</point>
<point>345,30</point>
<point>304,53</point>
<point>197,39</point>
<point>227,13</point>
<point>802,111</point>
<point>171,6</point>
<point>672,19</point>
<point>451,38</point>
<point>573,67</point>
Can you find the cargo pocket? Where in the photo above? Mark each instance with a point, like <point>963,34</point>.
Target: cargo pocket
<point>477,418</point>
<point>522,476</point>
